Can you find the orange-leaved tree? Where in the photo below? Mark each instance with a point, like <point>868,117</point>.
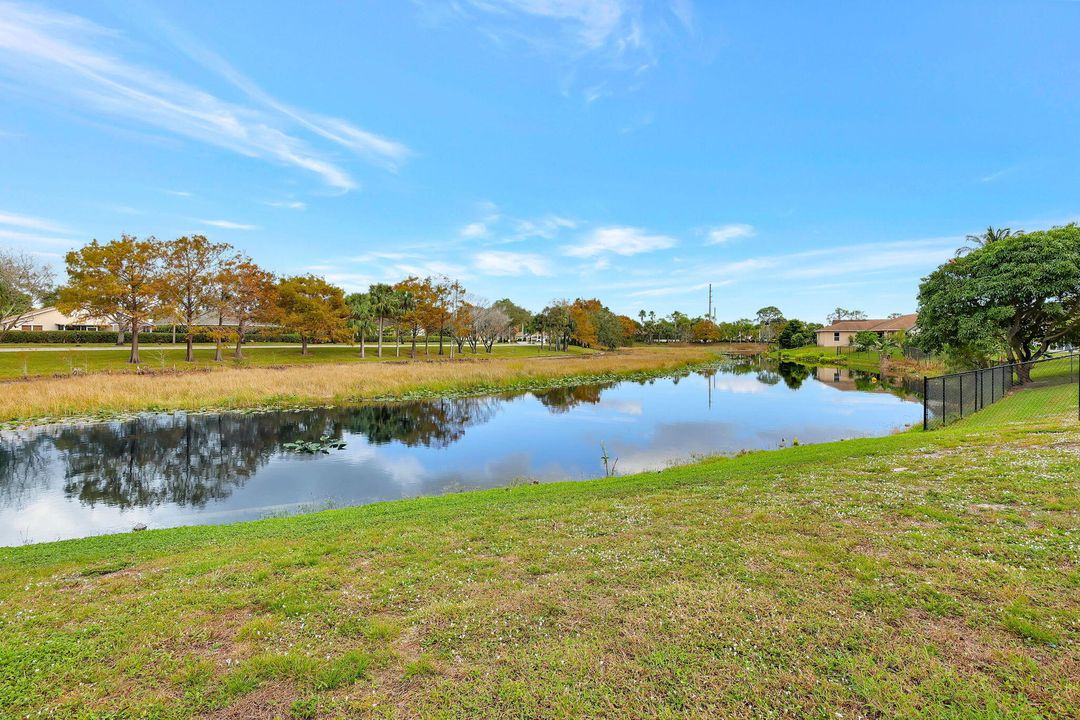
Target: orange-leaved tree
<point>190,268</point>
<point>249,295</point>
<point>120,279</point>
<point>583,317</point>
<point>313,308</point>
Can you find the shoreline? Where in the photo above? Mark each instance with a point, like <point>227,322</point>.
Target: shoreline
<point>362,607</point>
<point>433,379</point>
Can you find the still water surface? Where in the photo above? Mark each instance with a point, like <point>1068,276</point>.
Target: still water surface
<point>66,481</point>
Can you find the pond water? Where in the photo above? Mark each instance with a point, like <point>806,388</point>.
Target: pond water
<point>163,470</point>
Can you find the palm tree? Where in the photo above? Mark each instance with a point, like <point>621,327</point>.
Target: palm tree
<point>988,237</point>
<point>360,317</point>
<point>383,303</point>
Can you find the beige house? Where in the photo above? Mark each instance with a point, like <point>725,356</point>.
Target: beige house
<point>842,333</point>
<point>50,318</point>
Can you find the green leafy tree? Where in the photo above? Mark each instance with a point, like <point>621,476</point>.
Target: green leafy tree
<point>769,319</point>
<point>1020,292</point>
<point>384,306</point>
<point>987,237</point>
<point>865,340</point>
<point>795,334</point>
<point>361,317</point>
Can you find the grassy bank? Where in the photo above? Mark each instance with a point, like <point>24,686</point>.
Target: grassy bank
<point>924,575</point>
<point>869,361</point>
<point>45,361</point>
<point>322,383</point>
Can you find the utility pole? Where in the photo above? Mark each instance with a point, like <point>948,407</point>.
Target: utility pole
<point>710,315</point>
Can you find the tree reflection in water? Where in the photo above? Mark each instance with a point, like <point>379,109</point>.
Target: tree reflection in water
<point>563,399</point>
<point>192,460</point>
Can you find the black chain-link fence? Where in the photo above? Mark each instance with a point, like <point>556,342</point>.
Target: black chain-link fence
<point>948,398</point>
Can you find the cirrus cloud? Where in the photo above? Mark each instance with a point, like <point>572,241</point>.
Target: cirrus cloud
<point>498,262</point>
<point>727,233</point>
<point>618,240</point>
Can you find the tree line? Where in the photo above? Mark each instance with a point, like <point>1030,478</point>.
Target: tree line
<point>211,288</point>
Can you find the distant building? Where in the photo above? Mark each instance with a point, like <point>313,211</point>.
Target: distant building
<point>50,318</point>
<point>842,333</point>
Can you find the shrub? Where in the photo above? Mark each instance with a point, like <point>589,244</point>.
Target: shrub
<point>87,337</point>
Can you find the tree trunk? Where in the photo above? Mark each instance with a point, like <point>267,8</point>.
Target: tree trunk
<point>238,354</point>
<point>189,355</point>
<point>412,352</point>
<point>427,347</point>
<point>380,336</point>
<point>361,344</point>
<point>397,346</point>
<point>134,357</point>
<point>441,339</point>
<point>119,334</point>
<point>303,345</point>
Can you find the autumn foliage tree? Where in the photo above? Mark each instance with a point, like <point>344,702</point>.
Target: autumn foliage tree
<point>249,295</point>
<point>314,309</point>
<point>190,269</point>
<point>120,279</point>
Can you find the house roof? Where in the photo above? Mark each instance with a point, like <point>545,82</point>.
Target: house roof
<point>896,324</point>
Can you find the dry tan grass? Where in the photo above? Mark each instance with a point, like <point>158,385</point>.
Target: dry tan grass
<point>311,384</point>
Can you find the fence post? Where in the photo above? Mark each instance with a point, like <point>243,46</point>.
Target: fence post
<point>960,377</point>
<point>925,404</point>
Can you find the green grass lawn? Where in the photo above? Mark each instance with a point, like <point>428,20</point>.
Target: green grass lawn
<point>817,355</point>
<point>922,575</point>
<point>31,363</point>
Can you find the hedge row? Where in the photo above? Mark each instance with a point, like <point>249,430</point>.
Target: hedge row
<point>81,337</point>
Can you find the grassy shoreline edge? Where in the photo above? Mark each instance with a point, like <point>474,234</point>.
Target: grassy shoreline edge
<point>656,364</point>
<point>913,575</point>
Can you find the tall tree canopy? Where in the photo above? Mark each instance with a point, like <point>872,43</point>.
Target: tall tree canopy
<point>191,267</point>
<point>1019,294</point>
<point>315,309</point>
<point>248,295</point>
<point>120,279</point>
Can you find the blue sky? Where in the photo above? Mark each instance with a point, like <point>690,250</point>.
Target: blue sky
<point>805,155</point>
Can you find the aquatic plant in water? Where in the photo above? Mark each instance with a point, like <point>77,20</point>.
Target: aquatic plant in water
<point>323,445</point>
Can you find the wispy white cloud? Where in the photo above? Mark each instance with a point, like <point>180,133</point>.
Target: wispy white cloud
<point>618,240</point>
<point>67,59</point>
<point>591,23</point>
<point>511,263</point>
<point>229,225</point>
<point>31,238</point>
<point>546,227</point>
<point>27,230</point>
<point>179,193</point>
<point>29,222</point>
<point>834,262</point>
<point>672,290</point>
<point>727,233</point>
<point>588,37</point>
<point>288,204</point>
<point>377,256</point>
<point>996,175</point>
<point>474,230</point>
